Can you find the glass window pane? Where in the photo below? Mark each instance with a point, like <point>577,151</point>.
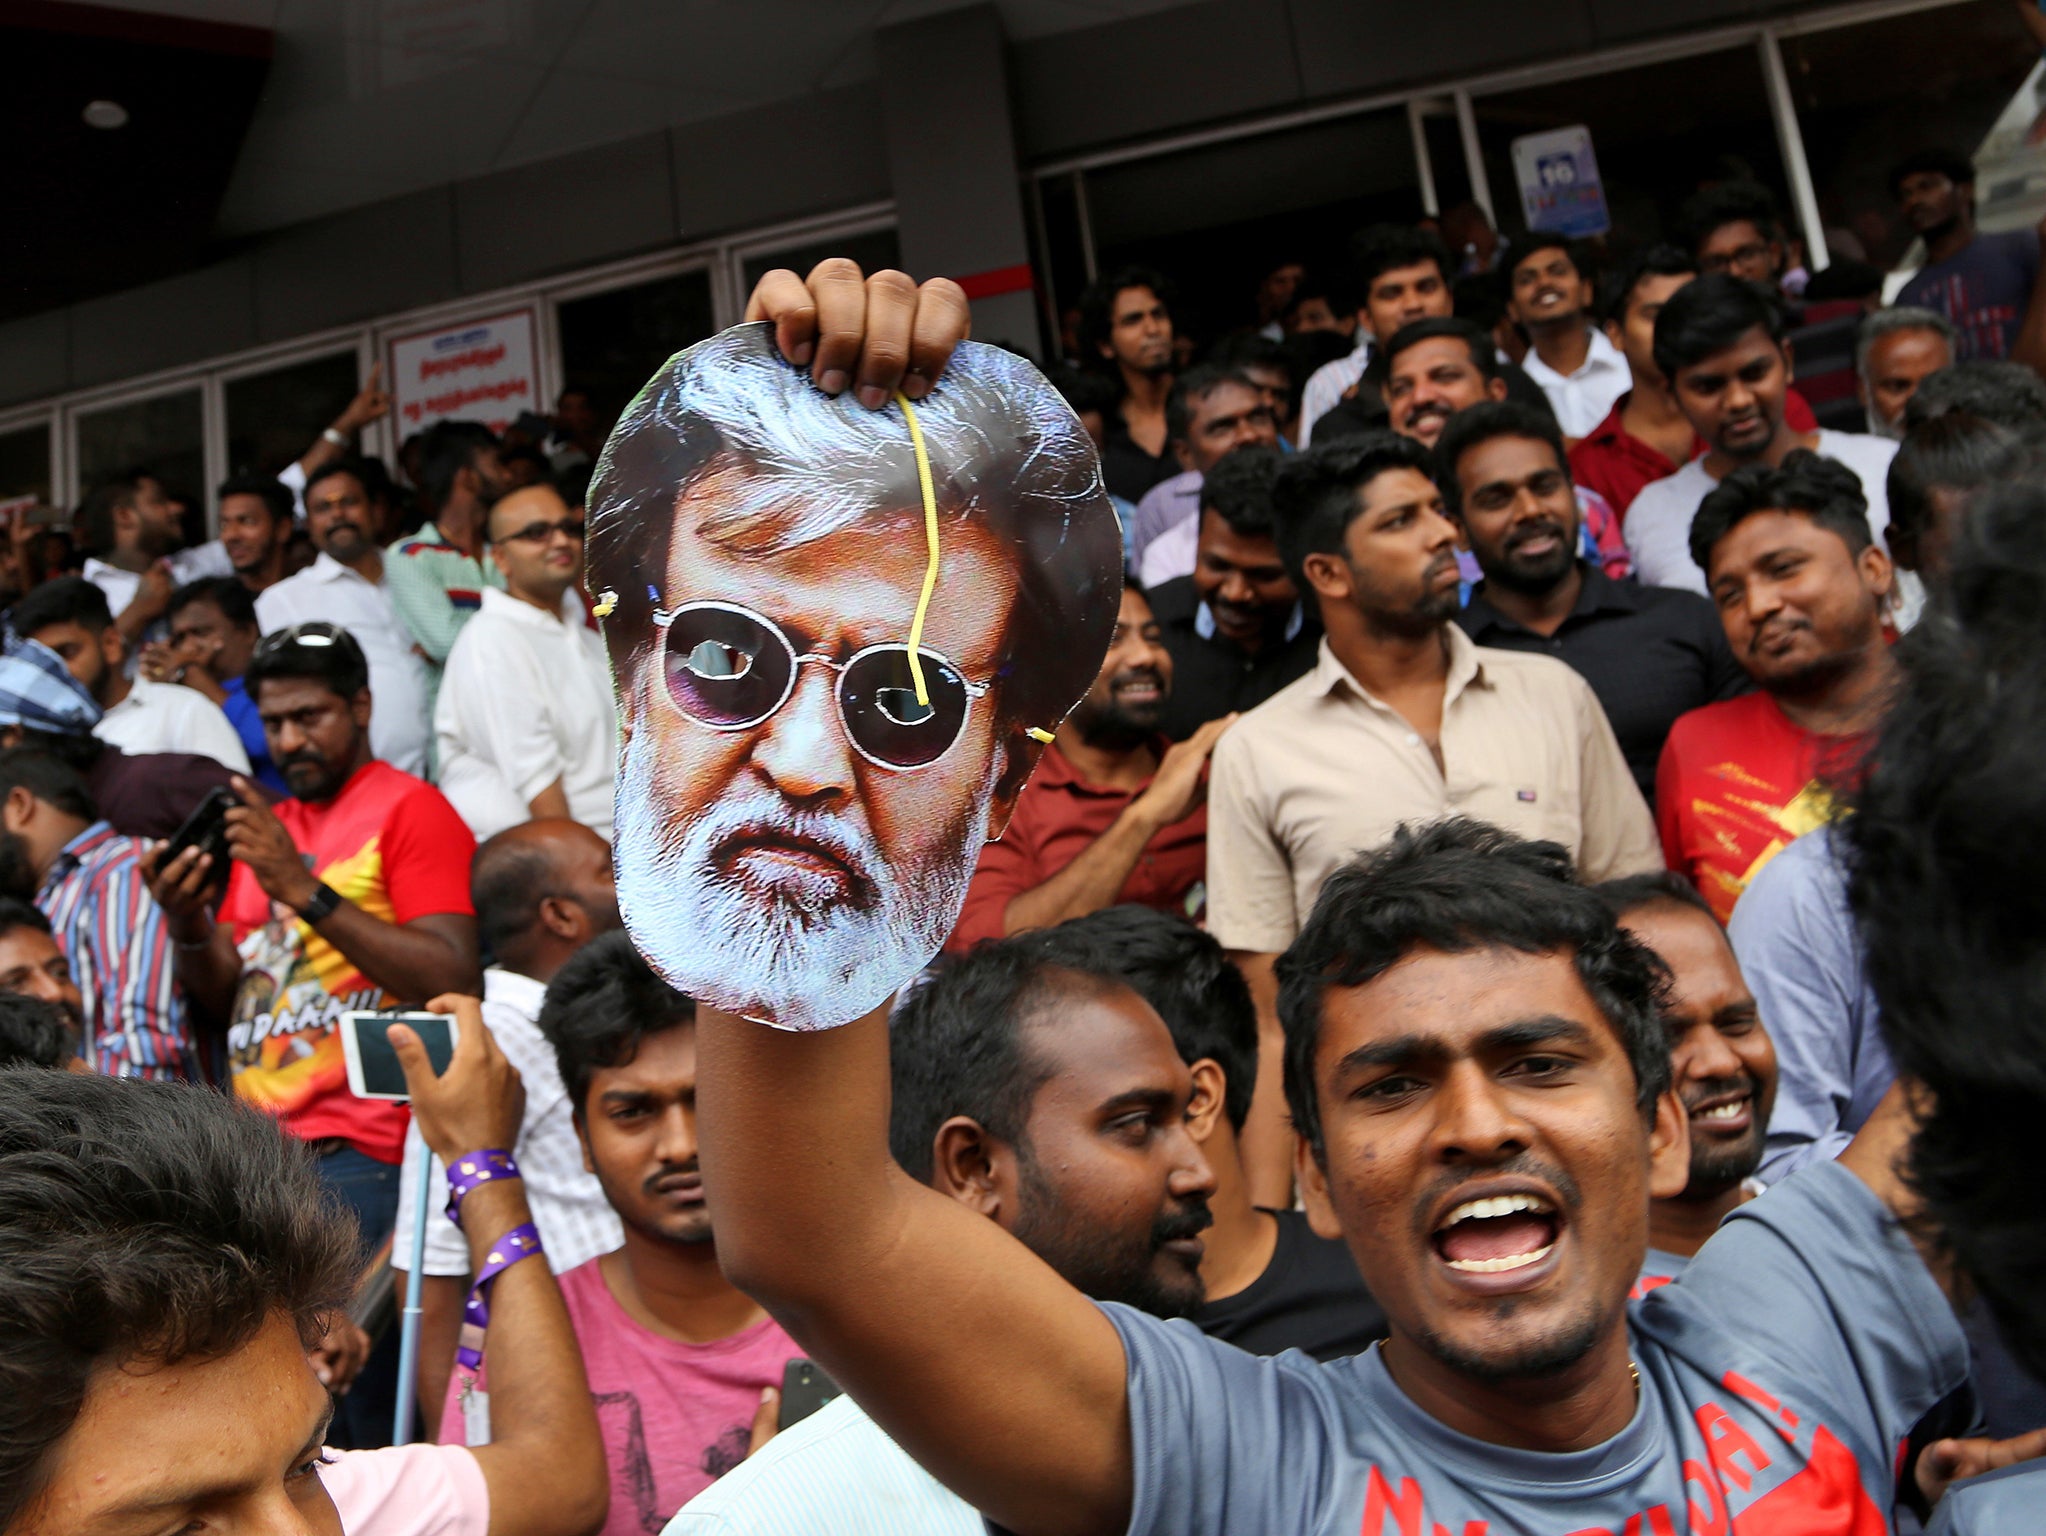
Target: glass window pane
<point>1659,132</point>
<point>1216,219</point>
<point>273,417</point>
<point>874,251</point>
<point>25,462</point>
<point>164,436</point>
<point>612,342</point>
<point>1869,95</point>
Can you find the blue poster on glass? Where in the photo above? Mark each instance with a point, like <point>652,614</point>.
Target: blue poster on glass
<point>1560,191</point>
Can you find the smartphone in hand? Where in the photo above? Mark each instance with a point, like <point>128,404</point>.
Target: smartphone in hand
<point>373,1069</point>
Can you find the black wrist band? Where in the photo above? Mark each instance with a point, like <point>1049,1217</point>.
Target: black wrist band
<point>321,904</point>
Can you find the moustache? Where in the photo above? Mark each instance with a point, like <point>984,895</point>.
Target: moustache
<point>1545,529</point>
<point>1149,675</point>
<point>650,1185</point>
<point>1774,628</point>
<point>1190,1221</point>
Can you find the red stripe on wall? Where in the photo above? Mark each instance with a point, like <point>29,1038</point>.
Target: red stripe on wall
<point>987,285</point>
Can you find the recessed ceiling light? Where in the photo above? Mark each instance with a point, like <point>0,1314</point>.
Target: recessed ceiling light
<point>106,114</point>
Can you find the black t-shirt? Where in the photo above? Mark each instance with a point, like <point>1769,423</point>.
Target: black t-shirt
<point>1309,1297</point>
<point>1211,676</point>
<point>1126,469</point>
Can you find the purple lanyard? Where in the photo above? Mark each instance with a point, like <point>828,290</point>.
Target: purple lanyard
<point>521,1242</point>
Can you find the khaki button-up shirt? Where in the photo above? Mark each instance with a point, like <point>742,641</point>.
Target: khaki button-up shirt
<point>1323,771</point>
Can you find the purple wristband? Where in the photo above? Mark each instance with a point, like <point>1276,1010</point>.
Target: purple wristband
<point>472,1169</point>
<point>522,1242</point>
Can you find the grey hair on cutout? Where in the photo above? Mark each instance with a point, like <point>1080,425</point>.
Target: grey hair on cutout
<point>791,466</point>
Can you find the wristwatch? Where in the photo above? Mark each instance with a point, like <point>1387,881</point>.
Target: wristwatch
<point>338,439</point>
<point>321,904</point>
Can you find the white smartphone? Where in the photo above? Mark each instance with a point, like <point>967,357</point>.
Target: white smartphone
<point>373,1070</point>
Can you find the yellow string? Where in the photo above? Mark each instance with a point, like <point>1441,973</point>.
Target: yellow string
<point>923,602</point>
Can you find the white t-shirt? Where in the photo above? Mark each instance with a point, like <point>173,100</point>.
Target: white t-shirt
<point>525,699</point>
<point>167,717</point>
<point>835,1472</point>
<point>329,591</point>
<point>1658,526</point>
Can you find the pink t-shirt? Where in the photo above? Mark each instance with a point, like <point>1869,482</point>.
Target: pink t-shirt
<point>675,1417</point>
<point>408,1490</point>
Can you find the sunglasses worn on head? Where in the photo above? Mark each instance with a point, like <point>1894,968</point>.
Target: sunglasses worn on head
<point>729,669</point>
<point>315,634</point>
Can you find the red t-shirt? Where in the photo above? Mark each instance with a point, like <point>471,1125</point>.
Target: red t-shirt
<point>1057,816</point>
<point>1612,461</point>
<point>392,845</point>
<point>1737,781</point>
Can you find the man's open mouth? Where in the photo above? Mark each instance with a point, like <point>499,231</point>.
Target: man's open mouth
<point>1497,1234</point>
<point>1723,1111</point>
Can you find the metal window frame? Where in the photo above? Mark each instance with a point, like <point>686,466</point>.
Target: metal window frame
<point>1462,92</point>
<point>722,257</point>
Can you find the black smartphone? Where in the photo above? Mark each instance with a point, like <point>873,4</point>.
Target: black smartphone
<point>804,1389</point>
<point>206,830</point>
<point>373,1070</point>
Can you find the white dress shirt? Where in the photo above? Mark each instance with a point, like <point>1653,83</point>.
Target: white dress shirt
<point>1583,398</point>
<point>525,699</point>
<point>168,717</point>
<point>1658,526</point>
<point>836,1472</point>
<point>328,591</point>
<point>576,1222</point>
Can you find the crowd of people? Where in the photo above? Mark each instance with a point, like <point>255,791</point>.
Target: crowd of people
<point>1509,1005</point>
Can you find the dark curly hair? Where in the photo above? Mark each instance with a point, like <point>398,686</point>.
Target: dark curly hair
<point>598,1008</point>
<point>1823,489</point>
<point>1943,850</point>
<point>142,1221</point>
<point>1460,885</point>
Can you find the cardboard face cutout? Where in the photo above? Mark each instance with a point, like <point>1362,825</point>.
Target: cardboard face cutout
<point>802,796</point>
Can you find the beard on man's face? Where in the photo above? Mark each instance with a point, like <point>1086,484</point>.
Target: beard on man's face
<point>800,946</point>
<point>1116,1264</point>
<point>1129,714</point>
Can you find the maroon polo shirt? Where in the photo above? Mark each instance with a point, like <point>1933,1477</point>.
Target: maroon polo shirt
<point>1057,816</point>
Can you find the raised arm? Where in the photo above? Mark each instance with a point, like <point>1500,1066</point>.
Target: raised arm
<point>968,1349</point>
<point>371,403</point>
<point>544,1465</point>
